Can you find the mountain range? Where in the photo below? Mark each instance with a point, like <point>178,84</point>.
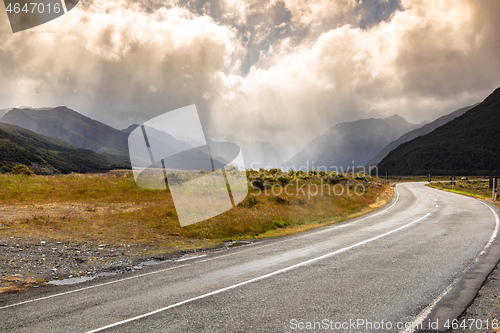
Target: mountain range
<point>47,155</point>
<point>350,144</point>
<point>426,129</point>
<point>466,145</point>
<point>463,141</point>
<point>73,127</point>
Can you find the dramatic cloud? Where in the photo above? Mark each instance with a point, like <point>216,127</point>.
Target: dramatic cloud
<point>282,70</point>
<point>115,61</point>
<point>426,60</point>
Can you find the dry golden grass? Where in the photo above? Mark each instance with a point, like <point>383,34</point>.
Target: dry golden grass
<point>14,284</point>
<point>111,208</point>
<point>476,187</point>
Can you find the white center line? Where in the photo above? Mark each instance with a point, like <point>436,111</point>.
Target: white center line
<point>259,278</point>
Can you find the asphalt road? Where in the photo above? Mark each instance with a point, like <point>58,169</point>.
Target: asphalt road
<point>407,261</point>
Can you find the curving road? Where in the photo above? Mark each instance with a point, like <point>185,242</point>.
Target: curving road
<point>419,259</point>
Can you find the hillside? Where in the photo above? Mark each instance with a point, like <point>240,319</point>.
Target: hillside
<point>426,129</point>
<point>355,142</point>
<point>47,155</point>
<point>467,145</point>
<point>79,130</point>
<point>3,112</point>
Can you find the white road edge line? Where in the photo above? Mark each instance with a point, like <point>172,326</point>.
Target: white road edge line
<point>259,278</point>
<point>422,315</point>
<point>205,260</point>
<point>87,288</point>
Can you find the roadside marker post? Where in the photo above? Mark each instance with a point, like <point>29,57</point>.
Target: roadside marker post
<point>494,189</point>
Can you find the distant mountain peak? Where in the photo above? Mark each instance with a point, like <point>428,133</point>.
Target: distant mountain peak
<point>357,141</point>
<point>64,123</point>
<point>396,116</point>
<point>493,98</point>
<point>466,145</point>
<point>423,128</point>
<point>47,155</point>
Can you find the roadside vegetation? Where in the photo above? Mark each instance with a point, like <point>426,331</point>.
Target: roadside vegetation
<point>476,187</point>
<point>94,209</point>
<point>112,208</point>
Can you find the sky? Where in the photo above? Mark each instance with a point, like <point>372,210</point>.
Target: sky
<point>279,70</point>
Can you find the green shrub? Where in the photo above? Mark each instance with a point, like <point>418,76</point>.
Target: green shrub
<point>274,171</point>
<point>21,169</point>
<point>343,177</point>
<point>282,201</point>
<point>283,180</point>
<point>277,224</point>
<point>333,180</point>
<point>362,177</point>
<point>258,183</point>
<point>301,202</point>
<point>175,178</point>
<point>249,202</point>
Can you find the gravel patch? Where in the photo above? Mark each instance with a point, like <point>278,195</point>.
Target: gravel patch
<point>26,263</point>
<point>485,309</point>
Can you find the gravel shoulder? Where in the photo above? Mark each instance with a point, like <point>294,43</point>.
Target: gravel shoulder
<point>485,309</point>
<point>27,263</point>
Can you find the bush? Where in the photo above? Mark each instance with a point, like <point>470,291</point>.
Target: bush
<point>342,177</point>
<point>21,169</point>
<point>283,180</point>
<point>301,202</point>
<point>282,201</point>
<point>333,180</point>
<point>258,183</point>
<point>362,177</point>
<point>274,171</point>
<point>278,224</point>
<point>175,178</point>
<point>250,202</point>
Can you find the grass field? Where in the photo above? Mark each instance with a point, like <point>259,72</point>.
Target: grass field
<point>111,208</point>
